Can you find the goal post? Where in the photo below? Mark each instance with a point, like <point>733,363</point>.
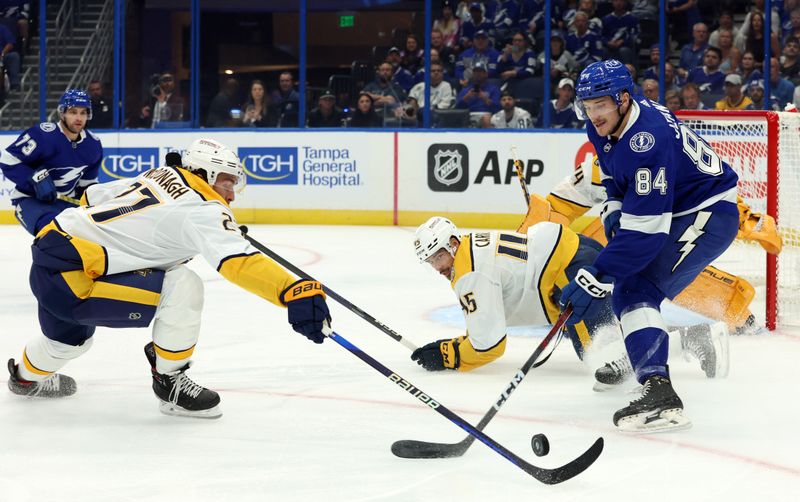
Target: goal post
<point>763,147</point>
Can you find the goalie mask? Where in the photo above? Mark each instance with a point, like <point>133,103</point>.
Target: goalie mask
<point>213,158</point>
<point>432,236</point>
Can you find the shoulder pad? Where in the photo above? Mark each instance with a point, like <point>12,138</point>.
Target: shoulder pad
<point>48,126</point>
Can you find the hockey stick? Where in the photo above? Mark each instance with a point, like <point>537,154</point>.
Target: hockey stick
<point>547,476</point>
<point>410,448</point>
<point>352,308</point>
<point>71,200</point>
<point>521,176</point>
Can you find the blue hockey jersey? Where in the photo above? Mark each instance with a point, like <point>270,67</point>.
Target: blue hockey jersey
<point>72,165</point>
<point>657,170</point>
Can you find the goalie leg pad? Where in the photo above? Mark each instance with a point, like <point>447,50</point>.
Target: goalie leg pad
<point>720,296</point>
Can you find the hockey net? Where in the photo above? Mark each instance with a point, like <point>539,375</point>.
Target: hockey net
<point>763,147</point>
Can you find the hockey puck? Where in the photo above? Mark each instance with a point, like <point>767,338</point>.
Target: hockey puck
<point>540,445</point>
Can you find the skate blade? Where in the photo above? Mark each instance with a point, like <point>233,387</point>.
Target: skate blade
<point>647,423</point>
<point>720,339</point>
<point>177,411</point>
<point>604,387</point>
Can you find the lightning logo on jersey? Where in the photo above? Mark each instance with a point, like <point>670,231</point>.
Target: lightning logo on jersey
<point>691,235</point>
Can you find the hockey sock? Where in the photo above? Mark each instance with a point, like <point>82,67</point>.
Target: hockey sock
<point>42,357</point>
<point>177,321</point>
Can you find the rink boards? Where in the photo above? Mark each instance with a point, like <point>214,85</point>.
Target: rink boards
<point>363,177</point>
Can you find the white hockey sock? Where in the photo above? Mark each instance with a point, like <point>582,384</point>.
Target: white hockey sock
<point>42,357</point>
<point>177,320</point>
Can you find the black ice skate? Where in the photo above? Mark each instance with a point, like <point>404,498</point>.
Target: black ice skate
<point>612,374</point>
<point>54,386</point>
<point>179,395</point>
<point>709,345</point>
<point>659,409</point>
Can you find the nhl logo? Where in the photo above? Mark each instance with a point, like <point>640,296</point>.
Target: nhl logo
<point>642,142</point>
<point>448,167</point>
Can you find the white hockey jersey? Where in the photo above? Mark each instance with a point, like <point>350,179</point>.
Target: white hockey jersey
<point>164,217</point>
<point>578,193</point>
<point>507,279</point>
<point>520,119</point>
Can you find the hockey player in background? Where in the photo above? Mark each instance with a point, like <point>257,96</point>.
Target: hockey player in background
<point>118,261</point>
<point>515,279</point>
<point>670,211</point>
<point>52,163</point>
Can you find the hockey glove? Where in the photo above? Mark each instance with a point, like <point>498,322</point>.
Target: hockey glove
<point>305,302</point>
<point>43,186</point>
<point>586,293</point>
<point>432,356</point>
<point>610,214</point>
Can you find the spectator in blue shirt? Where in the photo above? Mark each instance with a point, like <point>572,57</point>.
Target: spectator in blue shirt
<point>748,69</point>
<point>474,24</point>
<point>480,97</point>
<point>10,56</point>
<point>584,45</point>
<point>286,100</point>
<point>516,61</point>
<point>779,87</point>
<point>620,32</point>
<point>506,19</point>
<point>480,52</point>
<point>562,109</point>
<point>400,76</point>
<point>708,77</point>
<point>692,54</point>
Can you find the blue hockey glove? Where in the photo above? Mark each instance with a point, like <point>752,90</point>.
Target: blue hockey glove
<point>43,186</point>
<point>305,302</point>
<point>610,214</point>
<point>586,293</point>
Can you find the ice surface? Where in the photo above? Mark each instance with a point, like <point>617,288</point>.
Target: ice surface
<point>306,422</point>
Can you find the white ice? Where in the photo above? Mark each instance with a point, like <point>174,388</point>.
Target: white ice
<point>308,422</point>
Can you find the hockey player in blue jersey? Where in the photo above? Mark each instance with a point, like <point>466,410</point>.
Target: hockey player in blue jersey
<point>51,163</point>
<point>670,211</point>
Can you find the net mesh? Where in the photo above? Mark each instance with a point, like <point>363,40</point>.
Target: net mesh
<point>742,141</point>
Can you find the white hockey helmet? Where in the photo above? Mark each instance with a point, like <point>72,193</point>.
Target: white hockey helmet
<point>214,158</point>
<point>434,235</point>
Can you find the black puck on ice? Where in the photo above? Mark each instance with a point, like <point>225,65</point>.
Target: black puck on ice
<point>540,445</point>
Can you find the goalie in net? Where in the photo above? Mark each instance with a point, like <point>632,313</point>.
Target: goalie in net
<point>715,293</point>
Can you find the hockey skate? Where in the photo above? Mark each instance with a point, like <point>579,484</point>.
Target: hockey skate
<point>612,374</point>
<point>659,409</point>
<point>54,386</point>
<point>709,345</point>
<point>179,395</point>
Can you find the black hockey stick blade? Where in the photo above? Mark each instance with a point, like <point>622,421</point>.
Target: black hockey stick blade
<point>409,448</point>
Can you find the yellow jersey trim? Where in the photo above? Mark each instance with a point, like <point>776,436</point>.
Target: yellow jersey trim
<point>554,271</point>
<point>463,262</point>
<point>83,287</point>
<point>93,256</point>
<point>199,185</point>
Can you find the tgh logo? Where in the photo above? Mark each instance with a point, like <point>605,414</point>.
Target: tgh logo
<point>448,167</point>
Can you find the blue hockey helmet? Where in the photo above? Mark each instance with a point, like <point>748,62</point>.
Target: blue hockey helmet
<point>74,98</point>
<point>603,78</point>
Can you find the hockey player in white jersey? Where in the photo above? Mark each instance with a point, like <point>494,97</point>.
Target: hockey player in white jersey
<point>503,279</point>
<point>670,210</point>
<point>118,261</point>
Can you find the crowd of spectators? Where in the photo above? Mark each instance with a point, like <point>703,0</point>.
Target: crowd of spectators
<point>488,57</point>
